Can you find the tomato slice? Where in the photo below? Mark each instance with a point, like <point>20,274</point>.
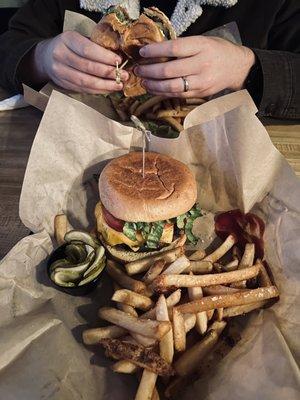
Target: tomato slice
<point>114,223</point>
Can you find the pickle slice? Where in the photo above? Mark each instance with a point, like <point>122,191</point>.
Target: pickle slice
<point>83,237</point>
<point>97,260</point>
<point>93,275</point>
<point>75,253</point>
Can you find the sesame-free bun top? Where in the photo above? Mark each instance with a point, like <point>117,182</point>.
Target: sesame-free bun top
<point>167,190</point>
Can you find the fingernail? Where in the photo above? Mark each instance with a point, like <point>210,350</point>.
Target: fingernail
<point>136,71</point>
<point>143,52</point>
<point>144,84</point>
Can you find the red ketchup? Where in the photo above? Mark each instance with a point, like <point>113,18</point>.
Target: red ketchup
<point>114,223</point>
<point>246,228</point>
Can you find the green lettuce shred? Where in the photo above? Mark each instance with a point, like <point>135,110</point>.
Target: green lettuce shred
<point>155,234</point>
<point>129,230</point>
<point>152,232</point>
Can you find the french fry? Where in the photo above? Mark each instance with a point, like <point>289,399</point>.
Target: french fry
<point>246,261</point>
<point>197,255</point>
<point>179,331</point>
<point>132,299</point>
<point>154,271</point>
<point>263,277</point>
<point>195,101</point>
<point>210,314</point>
<point>201,317</point>
<point>220,313</point>
<point>136,267</point>
<point>178,266</point>
<point>231,266</point>
<point>220,251</point>
<point>128,309</point>
<point>166,344</point>
<point>162,282</point>
<point>188,362</point>
<point>60,228</point>
<point>236,253</point>
<point>171,121</point>
<point>218,326</point>
<point>219,289</point>
<point>171,301</point>
<point>248,256</point>
<point>133,107</point>
<point>218,267</point>
<point>201,267</point>
<point>244,309</point>
<point>122,114</point>
<point>229,300</point>
<point>143,340</point>
<point>93,336</point>
<point>124,367</point>
<point>138,355</point>
<point>172,113</point>
<point>147,105</point>
<point>155,395</point>
<point>125,281</point>
<point>146,386</point>
<point>152,329</point>
<point>156,107</point>
<point>189,322</point>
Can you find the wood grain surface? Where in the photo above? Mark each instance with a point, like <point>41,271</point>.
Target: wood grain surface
<point>17,131</point>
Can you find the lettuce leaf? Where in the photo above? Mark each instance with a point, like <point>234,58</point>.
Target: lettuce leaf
<point>152,232</point>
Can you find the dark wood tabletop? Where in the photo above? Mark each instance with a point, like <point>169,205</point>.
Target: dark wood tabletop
<point>17,131</point>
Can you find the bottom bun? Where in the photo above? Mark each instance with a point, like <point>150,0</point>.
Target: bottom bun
<point>126,256</point>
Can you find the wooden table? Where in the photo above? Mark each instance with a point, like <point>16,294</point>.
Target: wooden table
<point>17,131</point>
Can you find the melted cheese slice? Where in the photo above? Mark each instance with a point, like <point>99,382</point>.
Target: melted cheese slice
<point>113,237</point>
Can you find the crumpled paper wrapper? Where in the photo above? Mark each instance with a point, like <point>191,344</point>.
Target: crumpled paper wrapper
<point>236,165</point>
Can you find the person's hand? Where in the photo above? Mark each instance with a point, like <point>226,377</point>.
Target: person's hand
<point>74,62</point>
<point>209,64</point>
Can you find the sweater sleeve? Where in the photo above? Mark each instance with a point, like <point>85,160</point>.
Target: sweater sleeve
<point>35,21</point>
<point>280,65</point>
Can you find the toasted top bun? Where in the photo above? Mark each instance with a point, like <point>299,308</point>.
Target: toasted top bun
<point>143,31</point>
<point>107,33</point>
<point>156,13</point>
<point>167,190</point>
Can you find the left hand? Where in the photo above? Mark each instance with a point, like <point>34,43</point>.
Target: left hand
<point>209,64</point>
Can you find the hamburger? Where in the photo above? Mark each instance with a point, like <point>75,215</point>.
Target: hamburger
<point>138,216</point>
<point>117,32</point>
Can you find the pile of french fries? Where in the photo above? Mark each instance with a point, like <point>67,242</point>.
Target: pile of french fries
<point>173,312</point>
<point>157,108</point>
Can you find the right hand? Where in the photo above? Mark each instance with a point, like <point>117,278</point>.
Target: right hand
<point>74,62</point>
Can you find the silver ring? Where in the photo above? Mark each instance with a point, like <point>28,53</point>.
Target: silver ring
<point>186,85</point>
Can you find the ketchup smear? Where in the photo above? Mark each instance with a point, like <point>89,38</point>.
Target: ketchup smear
<point>114,223</point>
<point>246,228</point>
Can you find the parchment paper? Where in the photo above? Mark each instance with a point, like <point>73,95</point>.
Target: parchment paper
<point>236,165</point>
<point>42,354</point>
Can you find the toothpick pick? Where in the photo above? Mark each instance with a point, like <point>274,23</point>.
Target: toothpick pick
<point>118,74</point>
<point>146,137</point>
